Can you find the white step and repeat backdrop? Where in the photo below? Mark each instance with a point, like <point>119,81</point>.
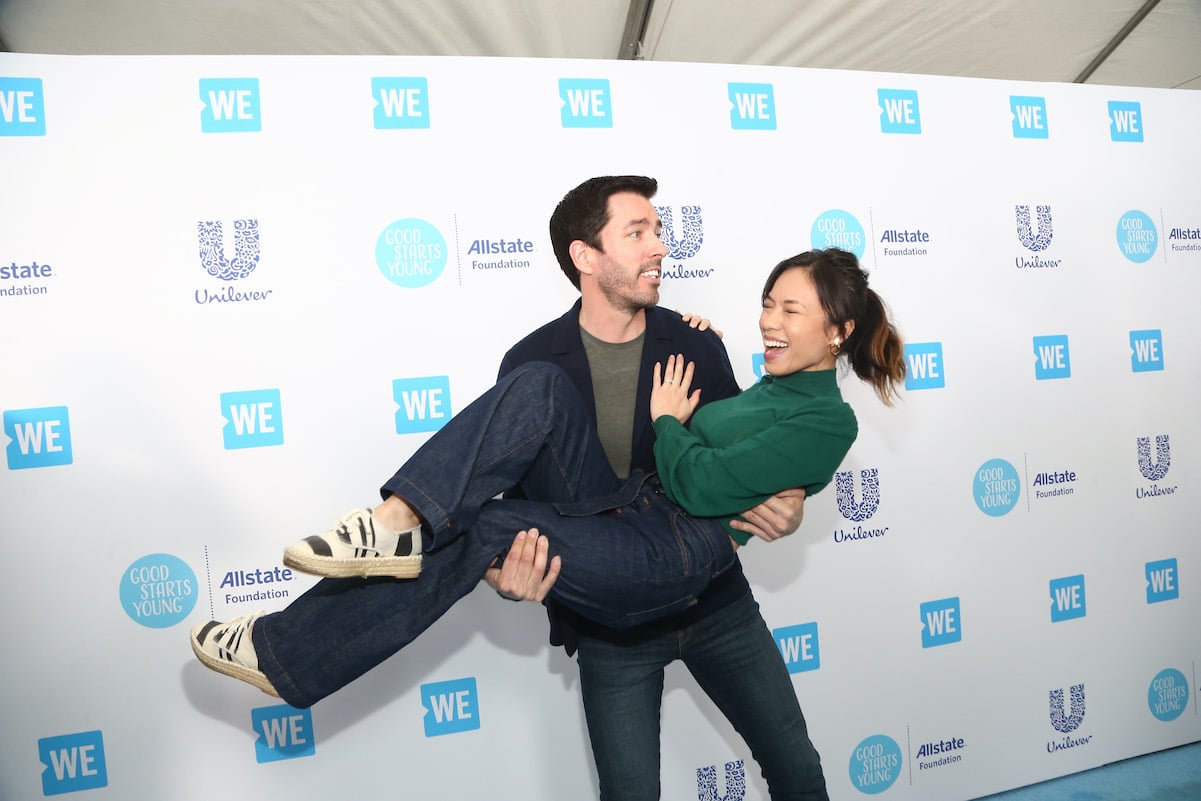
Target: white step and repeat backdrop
<point>236,292</point>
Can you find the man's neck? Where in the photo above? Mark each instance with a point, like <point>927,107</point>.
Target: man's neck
<point>611,325</point>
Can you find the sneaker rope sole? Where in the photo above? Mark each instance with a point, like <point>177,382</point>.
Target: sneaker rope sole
<point>354,567</point>
<point>228,668</point>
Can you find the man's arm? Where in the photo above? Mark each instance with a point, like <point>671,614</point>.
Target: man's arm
<point>525,575</point>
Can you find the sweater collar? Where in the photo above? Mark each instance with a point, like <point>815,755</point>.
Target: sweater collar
<point>805,382</point>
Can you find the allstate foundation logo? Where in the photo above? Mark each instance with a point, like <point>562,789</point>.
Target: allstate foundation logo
<point>1054,483</point>
<point>905,242</point>
<point>1155,467</point>
<point>735,782</point>
<point>215,261</point>
<point>30,271</point>
<point>1066,718</point>
<point>1137,236</point>
<point>858,509</point>
<point>836,228</point>
<point>1167,697</point>
<point>875,764</point>
<point>940,753</point>
<point>683,238</point>
<point>1183,239</point>
<point>411,253</point>
<point>996,488</point>
<point>158,591</point>
<point>504,253</point>
<point>1035,236</point>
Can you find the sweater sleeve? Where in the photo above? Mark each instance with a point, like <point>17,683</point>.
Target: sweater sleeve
<point>802,450</point>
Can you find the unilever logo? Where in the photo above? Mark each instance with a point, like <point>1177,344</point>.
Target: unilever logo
<point>1154,469</point>
<point>158,591</point>
<point>1167,697</point>
<point>836,228</point>
<point>212,249</point>
<point>1137,236</point>
<point>996,488</point>
<point>875,764</point>
<point>411,253</point>
<point>706,782</point>
<point>688,243</point>
<point>1035,237</point>
<point>1067,720</point>
<point>857,510</point>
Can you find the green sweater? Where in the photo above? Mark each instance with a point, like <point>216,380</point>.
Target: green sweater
<point>786,432</point>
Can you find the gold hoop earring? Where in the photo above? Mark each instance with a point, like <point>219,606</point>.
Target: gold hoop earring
<point>835,347</point>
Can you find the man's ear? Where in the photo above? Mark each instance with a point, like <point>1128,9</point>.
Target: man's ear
<point>581,256</point>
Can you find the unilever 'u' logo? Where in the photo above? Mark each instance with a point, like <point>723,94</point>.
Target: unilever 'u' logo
<point>689,243</point>
<point>844,488</point>
<point>1163,457</point>
<point>212,250</point>
<point>1030,240</point>
<point>1071,721</point>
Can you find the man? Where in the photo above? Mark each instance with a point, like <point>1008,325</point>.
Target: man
<point>605,235</point>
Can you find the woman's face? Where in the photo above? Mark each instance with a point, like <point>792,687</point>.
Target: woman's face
<point>796,334</point>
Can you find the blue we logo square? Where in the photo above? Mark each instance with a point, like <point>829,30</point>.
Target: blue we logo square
<point>924,360</point>
<point>1162,581</point>
<point>253,419</point>
<point>799,647</point>
<point>284,732</point>
<point>38,437</point>
<point>1146,350</point>
<point>1052,358</point>
<point>1125,121</point>
<point>899,111</point>
<point>586,103</point>
<point>22,107</point>
<point>940,622</point>
<point>752,106</point>
<point>72,762</point>
<point>423,404</point>
<point>450,707</point>
<point>1029,117</point>
<point>401,103</point>
<point>1067,598</point>
<point>231,105</point>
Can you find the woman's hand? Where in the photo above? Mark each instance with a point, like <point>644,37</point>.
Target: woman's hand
<point>670,390</point>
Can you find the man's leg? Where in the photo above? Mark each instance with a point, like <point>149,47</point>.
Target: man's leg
<point>735,660</point>
<point>622,689</point>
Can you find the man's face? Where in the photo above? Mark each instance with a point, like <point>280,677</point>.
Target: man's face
<point>628,264</point>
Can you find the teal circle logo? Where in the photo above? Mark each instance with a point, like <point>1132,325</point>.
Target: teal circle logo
<point>158,591</point>
<point>1137,236</point>
<point>411,253</point>
<point>996,487</point>
<point>1167,697</point>
<point>838,229</point>
<point>875,764</point>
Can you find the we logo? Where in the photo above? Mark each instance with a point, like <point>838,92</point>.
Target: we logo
<point>423,404</point>
<point>22,107</point>
<point>284,732</point>
<point>1125,121</point>
<point>1052,358</point>
<point>401,103</point>
<point>940,622</point>
<point>1146,350</point>
<point>72,762</point>
<point>924,360</point>
<point>38,437</point>
<point>752,107</point>
<point>252,419</point>
<point>1029,117</point>
<point>899,112</point>
<point>1067,598</point>
<point>799,647</point>
<point>586,103</point>
<point>450,707</point>
<point>231,105</point>
<point>1162,583</point>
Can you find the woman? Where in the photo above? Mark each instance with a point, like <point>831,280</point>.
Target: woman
<point>630,551</point>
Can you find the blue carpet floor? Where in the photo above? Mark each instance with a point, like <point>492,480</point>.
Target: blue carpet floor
<point>1172,775</point>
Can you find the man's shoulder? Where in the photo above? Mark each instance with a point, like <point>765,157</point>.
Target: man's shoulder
<point>543,341</point>
<point>669,327</point>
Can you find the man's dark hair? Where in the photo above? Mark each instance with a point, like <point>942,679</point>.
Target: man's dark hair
<point>584,211</point>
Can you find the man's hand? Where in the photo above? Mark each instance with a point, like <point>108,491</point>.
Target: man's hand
<point>699,323</point>
<point>778,516</point>
<point>525,575</point>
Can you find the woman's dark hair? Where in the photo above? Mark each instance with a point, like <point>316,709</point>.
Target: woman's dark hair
<point>874,348</point>
<point>584,211</point>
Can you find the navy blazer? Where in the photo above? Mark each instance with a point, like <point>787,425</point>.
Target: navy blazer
<point>559,342</point>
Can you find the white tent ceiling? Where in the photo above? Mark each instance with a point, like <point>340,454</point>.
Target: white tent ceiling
<point>1158,42</point>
